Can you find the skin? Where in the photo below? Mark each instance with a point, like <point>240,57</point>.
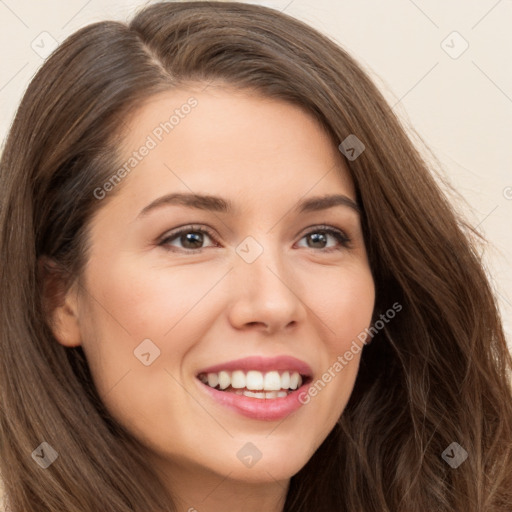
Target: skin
<point>208,305</point>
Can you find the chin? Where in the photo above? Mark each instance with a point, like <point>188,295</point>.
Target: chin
<point>264,460</point>
<point>277,469</point>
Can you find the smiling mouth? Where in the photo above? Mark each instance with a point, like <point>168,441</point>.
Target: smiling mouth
<point>255,384</point>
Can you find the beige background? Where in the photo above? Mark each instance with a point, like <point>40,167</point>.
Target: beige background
<point>460,105</point>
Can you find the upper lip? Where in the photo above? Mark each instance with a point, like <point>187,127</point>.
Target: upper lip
<point>263,364</point>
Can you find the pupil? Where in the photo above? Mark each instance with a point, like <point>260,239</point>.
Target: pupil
<point>193,238</point>
<point>318,237</point>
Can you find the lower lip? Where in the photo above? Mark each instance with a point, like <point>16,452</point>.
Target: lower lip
<point>266,409</point>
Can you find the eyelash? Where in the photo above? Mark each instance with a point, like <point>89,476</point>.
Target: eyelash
<point>339,235</point>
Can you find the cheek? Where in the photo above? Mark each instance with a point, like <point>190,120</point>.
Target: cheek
<point>345,304</point>
<point>134,302</point>
<point>346,311</point>
<point>127,305</point>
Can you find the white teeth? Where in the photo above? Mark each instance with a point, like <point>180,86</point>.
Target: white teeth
<point>238,379</point>
<point>294,380</point>
<point>254,395</point>
<point>213,379</point>
<point>254,380</point>
<point>268,394</point>
<point>285,380</point>
<point>273,383</point>
<point>224,380</point>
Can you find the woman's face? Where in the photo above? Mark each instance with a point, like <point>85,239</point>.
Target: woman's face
<point>274,285</point>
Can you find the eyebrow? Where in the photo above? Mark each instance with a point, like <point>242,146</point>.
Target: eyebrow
<point>221,205</point>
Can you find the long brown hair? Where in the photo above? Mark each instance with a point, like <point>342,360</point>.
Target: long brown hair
<point>437,374</point>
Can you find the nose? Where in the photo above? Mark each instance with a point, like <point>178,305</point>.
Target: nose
<point>265,294</point>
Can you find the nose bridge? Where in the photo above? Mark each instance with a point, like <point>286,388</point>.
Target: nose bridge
<point>259,260</point>
<point>263,285</point>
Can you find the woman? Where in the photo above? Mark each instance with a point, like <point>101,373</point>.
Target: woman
<point>229,282</point>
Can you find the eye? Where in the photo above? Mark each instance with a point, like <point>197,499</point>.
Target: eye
<point>191,238</point>
<point>320,235</point>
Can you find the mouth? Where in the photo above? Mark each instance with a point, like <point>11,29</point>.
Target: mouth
<point>256,387</point>
<point>254,383</point>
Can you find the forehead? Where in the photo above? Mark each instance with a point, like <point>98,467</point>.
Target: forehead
<point>223,141</point>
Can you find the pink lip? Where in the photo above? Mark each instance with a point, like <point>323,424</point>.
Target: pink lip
<point>263,364</point>
<point>267,409</point>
